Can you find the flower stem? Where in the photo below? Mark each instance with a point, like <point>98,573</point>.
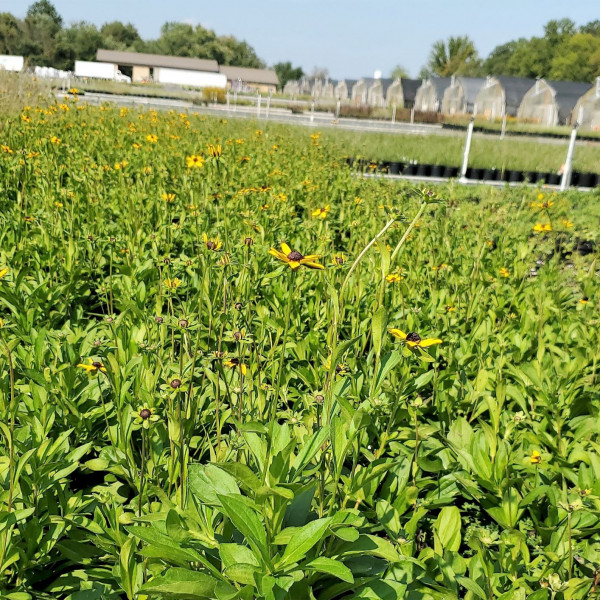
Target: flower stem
<point>142,470</point>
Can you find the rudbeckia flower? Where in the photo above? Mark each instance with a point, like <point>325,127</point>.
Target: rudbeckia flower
<point>321,213</point>
<point>152,138</point>
<point>215,150</point>
<point>504,272</point>
<point>394,278</point>
<point>214,244</point>
<point>172,284</point>
<point>3,272</point>
<point>144,416</point>
<point>535,458</point>
<point>413,339</point>
<point>339,259</point>
<point>194,161</point>
<point>539,227</point>
<point>232,363</point>
<point>294,259</point>
<point>93,366</point>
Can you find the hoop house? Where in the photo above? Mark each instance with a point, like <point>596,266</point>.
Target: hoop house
<point>409,91</point>
<point>322,88</point>
<point>343,89</point>
<point>459,96</point>
<point>551,103</point>
<point>377,94</point>
<point>501,96</point>
<point>587,109</point>
<point>360,90</point>
<point>430,93</point>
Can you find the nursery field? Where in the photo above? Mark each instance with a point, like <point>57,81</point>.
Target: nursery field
<point>230,368</point>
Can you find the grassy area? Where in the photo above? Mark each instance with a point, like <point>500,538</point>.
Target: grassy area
<point>509,153</point>
<point>18,91</point>
<point>230,369</point>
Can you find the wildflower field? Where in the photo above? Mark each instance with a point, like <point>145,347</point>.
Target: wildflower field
<point>231,368</point>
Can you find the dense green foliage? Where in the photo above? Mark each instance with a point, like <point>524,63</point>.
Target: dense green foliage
<point>564,52</point>
<point>44,40</point>
<point>183,415</point>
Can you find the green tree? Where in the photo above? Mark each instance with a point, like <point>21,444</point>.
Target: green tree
<point>286,72</point>
<point>577,59</point>
<point>80,41</point>
<point>40,36</point>
<point>456,56</point>
<point>592,27</point>
<point>120,36</point>
<point>399,72</point>
<point>499,60</point>
<point>11,34</point>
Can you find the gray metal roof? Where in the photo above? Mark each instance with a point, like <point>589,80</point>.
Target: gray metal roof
<point>409,89</point>
<point>471,87</point>
<point>440,84</point>
<point>247,75</point>
<point>142,59</point>
<point>566,96</point>
<point>386,82</point>
<point>514,88</point>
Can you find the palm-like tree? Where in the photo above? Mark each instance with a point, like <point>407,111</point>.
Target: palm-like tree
<point>456,56</point>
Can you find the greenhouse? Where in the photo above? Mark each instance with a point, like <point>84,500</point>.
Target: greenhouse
<point>551,103</point>
<point>360,90</point>
<point>323,88</point>
<point>429,95</point>
<point>409,91</point>
<point>587,109</point>
<point>343,89</point>
<point>501,96</point>
<point>377,94</point>
<point>459,96</point>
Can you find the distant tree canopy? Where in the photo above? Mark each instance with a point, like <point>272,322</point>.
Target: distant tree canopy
<point>399,72</point>
<point>286,72</point>
<point>43,40</point>
<point>564,52</point>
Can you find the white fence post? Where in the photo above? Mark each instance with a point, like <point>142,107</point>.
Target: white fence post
<point>234,101</point>
<point>568,166</point>
<point>227,98</point>
<point>465,163</point>
<point>312,112</point>
<point>412,115</point>
<point>337,109</point>
<point>503,131</point>
<point>258,106</point>
<point>268,106</point>
<point>394,113</point>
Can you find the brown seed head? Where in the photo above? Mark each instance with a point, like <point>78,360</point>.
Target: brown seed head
<point>211,245</point>
<point>175,383</point>
<point>238,306</point>
<point>295,255</point>
<point>96,364</point>
<point>145,413</point>
<point>413,337</point>
<point>183,323</point>
<point>238,335</point>
<point>248,241</point>
<point>319,399</point>
<point>158,319</point>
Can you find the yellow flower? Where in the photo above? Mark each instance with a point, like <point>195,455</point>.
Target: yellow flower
<point>3,272</point>
<point>215,150</point>
<point>449,308</point>
<point>194,161</point>
<point>281,197</point>
<point>172,284</point>
<point>214,244</point>
<point>28,219</point>
<point>358,201</point>
<point>168,197</point>
<point>504,272</point>
<point>258,132</point>
<point>539,227</point>
<point>152,138</point>
<point>73,91</point>
<point>535,458</point>
<point>93,367</point>
<point>6,149</point>
<point>232,363</point>
<point>394,278</point>
<point>583,300</point>
<point>245,159</point>
<point>239,141</point>
<point>55,140</point>
<point>144,416</point>
<point>26,118</point>
<point>339,259</point>
<point>58,204</point>
<point>413,339</point>
<point>568,224</point>
<point>321,213</point>
<point>294,259</point>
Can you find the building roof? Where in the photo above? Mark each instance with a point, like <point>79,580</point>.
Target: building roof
<point>142,59</point>
<point>566,96</point>
<point>247,75</point>
<point>470,87</point>
<point>439,84</point>
<point>514,88</point>
<point>409,89</point>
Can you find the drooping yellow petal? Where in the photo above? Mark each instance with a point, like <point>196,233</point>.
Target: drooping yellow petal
<point>312,265</point>
<point>285,248</point>
<point>280,255</point>
<point>243,369</point>
<point>311,257</point>
<point>398,334</point>
<point>3,272</point>
<point>86,367</point>
<point>294,264</point>
<point>429,342</point>
<point>413,344</point>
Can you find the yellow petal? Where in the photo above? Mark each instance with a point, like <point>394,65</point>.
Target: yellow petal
<point>429,342</point>
<point>86,367</point>
<point>398,334</point>
<point>294,264</point>
<point>243,369</point>
<point>312,265</point>
<point>311,257</point>
<point>3,272</point>
<point>285,248</point>
<point>413,344</point>
<point>277,254</point>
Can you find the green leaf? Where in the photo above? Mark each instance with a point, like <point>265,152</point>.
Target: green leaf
<point>304,539</point>
<point>232,554</point>
<point>378,327</point>
<point>309,449</point>
<point>207,482</point>
<point>472,586</point>
<point>243,473</point>
<point>248,523</point>
<point>181,584</point>
<point>370,544</point>
<point>331,567</point>
<point>241,573</point>
<point>447,530</point>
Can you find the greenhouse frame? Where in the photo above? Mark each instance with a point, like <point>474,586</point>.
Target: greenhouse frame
<point>459,97</point>
<point>587,109</point>
<point>551,103</point>
<point>501,96</point>
<point>430,93</point>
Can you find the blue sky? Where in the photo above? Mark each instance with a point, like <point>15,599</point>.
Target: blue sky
<point>351,38</point>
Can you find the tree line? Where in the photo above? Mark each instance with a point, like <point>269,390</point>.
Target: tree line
<point>565,52</point>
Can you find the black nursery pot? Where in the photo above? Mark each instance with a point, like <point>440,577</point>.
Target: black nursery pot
<point>475,174</point>
<point>394,168</point>
<point>437,171</point>
<point>575,178</point>
<point>410,170</point>
<point>587,180</point>
<point>515,176</point>
<point>532,176</point>
<point>384,166</point>
<point>423,170</point>
<point>553,179</point>
<point>450,172</point>
<point>491,174</point>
